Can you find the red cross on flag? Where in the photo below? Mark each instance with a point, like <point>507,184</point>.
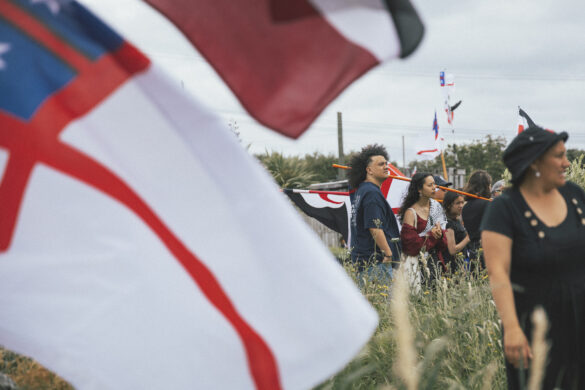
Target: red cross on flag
<point>141,247</point>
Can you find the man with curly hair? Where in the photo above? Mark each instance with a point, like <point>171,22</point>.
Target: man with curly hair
<point>373,224</point>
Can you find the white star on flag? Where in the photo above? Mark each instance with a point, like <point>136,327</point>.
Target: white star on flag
<point>53,5</point>
<point>4,48</point>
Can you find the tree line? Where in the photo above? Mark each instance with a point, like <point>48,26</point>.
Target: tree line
<point>301,171</point>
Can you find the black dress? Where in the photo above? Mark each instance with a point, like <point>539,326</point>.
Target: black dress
<point>460,233</point>
<point>548,270</point>
<point>472,215</point>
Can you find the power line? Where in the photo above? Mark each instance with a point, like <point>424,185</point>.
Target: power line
<point>484,76</point>
<point>411,130</point>
<point>417,74</point>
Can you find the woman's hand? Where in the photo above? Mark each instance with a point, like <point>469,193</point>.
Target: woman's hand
<point>516,347</point>
<point>436,231</point>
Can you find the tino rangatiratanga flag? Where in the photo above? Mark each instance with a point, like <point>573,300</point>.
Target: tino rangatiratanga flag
<point>333,209</point>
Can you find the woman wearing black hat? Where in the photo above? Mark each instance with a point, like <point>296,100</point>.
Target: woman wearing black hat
<point>533,237</point>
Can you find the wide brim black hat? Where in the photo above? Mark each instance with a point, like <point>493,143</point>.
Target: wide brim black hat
<point>441,182</point>
<point>527,147</point>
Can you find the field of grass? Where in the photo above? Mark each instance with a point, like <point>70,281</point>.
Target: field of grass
<point>454,331</point>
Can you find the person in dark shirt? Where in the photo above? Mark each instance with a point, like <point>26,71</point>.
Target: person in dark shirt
<point>373,224</point>
<point>457,237</point>
<point>479,184</point>
<point>533,237</point>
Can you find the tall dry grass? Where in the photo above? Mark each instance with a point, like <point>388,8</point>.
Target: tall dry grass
<point>454,331</point>
<point>406,362</point>
<point>540,348</point>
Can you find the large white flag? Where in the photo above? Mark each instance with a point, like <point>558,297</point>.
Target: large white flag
<point>140,246</point>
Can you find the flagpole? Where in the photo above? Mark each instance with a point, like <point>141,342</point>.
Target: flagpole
<point>408,179</point>
<point>300,191</point>
<point>444,167</point>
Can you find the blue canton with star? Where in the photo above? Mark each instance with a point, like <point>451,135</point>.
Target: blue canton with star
<point>29,72</point>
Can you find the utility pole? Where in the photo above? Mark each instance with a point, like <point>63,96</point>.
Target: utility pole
<point>340,172</point>
<point>403,155</point>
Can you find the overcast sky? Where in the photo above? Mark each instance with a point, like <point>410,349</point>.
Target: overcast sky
<point>502,53</point>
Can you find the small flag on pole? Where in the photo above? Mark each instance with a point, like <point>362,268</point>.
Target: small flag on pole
<point>429,149</point>
<point>436,126</point>
<point>524,120</point>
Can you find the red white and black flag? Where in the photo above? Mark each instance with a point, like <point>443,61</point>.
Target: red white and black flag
<point>524,121</point>
<point>277,56</point>
<point>332,209</point>
<point>394,190</point>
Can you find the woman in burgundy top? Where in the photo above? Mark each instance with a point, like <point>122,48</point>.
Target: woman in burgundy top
<point>419,231</point>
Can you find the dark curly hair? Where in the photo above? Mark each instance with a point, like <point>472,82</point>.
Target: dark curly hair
<point>449,199</point>
<point>480,184</point>
<point>412,196</point>
<point>360,161</point>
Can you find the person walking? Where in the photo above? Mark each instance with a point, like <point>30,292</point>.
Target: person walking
<point>533,237</point>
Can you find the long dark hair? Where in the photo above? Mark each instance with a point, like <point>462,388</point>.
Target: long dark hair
<point>360,161</point>
<point>413,195</point>
<point>449,199</point>
<point>479,183</point>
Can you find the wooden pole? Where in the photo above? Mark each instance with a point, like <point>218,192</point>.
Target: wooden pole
<point>444,167</point>
<point>403,155</point>
<point>341,174</point>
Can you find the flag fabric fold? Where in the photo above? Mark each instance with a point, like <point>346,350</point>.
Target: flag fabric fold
<point>270,53</point>
<point>123,239</point>
<point>331,209</point>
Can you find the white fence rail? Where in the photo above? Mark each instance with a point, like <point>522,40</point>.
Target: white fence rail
<point>328,236</point>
